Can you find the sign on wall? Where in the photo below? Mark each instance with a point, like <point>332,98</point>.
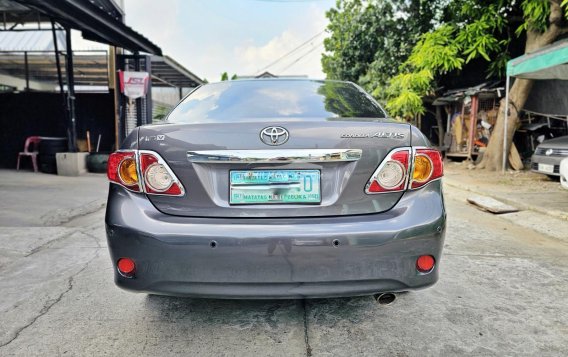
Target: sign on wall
<point>133,84</point>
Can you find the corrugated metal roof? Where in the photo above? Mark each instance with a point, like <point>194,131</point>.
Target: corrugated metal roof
<point>31,41</point>
<point>91,69</point>
<point>9,5</point>
<point>97,20</point>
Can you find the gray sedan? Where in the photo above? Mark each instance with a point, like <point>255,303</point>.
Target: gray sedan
<point>276,189</point>
<point>548,155</point>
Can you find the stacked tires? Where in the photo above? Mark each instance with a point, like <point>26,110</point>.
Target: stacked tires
<point>48,147</point>
<point>97,162</point>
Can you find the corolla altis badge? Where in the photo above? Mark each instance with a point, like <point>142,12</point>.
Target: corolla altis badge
<point>548,152</point>
<point>377,135</point>
<point>153,138</point>
<point>274,135</point>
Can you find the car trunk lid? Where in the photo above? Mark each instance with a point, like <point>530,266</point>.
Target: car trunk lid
<point>209,159</point>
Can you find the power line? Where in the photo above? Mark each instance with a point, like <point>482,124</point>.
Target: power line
<point>302,56</point>
<point>289,53</point>
<point>305,1</point>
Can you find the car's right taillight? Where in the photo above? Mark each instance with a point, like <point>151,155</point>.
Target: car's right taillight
<point>428,166</point>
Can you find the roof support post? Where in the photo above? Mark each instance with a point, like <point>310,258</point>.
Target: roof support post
<point>27,70</point>
<point>149,104</point>
<point>72,129</point>
<point>57,61</point>
<point>120,65</point>
<point>138,101</point>
<point>59,75</point>
<point>506,122</point>
<point>472,125</point>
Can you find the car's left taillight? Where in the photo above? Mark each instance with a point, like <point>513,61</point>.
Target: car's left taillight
<point>157,177</point>
<point>143,171</point>
<point>122,169</point>
<point>392,174</point>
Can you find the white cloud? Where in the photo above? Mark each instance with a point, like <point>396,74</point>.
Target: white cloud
<point>208,54</point>
<point>141,16</point>
<point>154,19</point>
<point>304,61</point>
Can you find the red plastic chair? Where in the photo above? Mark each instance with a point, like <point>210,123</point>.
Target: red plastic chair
<point>30,141</point>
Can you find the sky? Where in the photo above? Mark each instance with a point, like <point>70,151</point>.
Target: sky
<point>241,37</point>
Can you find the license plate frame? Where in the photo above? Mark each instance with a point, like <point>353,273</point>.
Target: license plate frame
<point>547,168</point>
<point>275,187</point>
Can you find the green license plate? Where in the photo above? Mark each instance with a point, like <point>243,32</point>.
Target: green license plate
<point>275,186</point>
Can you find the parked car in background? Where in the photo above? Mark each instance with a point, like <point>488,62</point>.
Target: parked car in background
<point>276,189</point>
<point>548,155</point>
<point>564,173</point>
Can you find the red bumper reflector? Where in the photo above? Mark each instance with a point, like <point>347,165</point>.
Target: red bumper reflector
<point>126,266</point>
<point>425,263</point>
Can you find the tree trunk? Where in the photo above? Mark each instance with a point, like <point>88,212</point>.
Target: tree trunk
<point>493,156</point>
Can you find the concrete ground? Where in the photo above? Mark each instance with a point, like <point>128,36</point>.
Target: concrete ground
<point>503,291</point>
<point>522,189</point>
<point>48,200</point>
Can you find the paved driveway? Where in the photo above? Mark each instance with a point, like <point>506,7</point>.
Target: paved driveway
<point>503,291</point>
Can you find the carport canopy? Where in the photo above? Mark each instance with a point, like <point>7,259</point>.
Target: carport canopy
<point>90,69</point>
<point>98,20</point>
<point>550,62</point>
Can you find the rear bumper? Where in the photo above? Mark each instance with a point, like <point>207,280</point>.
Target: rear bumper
<point>554,161</point>
<point>276,258</point>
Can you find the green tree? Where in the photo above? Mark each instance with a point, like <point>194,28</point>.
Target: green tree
<point>225,77</point>
<point>478,30</point>
<point>370,38</point>
<point>160,113</point>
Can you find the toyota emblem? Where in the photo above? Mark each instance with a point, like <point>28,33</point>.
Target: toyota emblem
<point>274,135</point>
<point>548,152</point>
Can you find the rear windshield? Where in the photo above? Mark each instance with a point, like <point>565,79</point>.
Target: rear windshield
<point>234,101</point>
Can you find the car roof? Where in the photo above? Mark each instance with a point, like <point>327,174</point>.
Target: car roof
<point>561,141</point>
<point>298,79</point>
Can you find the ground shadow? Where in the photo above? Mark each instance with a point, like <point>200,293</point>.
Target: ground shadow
<point>268,313</point>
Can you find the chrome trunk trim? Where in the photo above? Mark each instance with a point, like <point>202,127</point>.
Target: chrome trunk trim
<point>274,156</point>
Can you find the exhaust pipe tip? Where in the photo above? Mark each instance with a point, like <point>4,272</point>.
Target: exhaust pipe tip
<point>385,298</point>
